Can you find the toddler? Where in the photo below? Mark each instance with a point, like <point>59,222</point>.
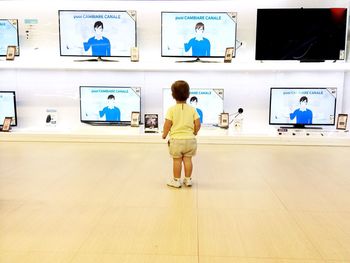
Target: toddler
<point>182,123</point>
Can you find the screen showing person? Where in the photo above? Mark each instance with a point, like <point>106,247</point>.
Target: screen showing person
<point>110,112</point>
<point>209,103</point>
<point>197,34</point>
<point>194,103</point>
<point>303,115</point>
<point>199,45</point>
<point>307,106</point>
<point>97,33</point>
<point>8,35</point>
<point>109,104</point>
<point>8,107</point>
<point>100,45</point>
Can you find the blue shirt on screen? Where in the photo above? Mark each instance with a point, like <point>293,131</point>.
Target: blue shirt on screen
<point>200,113</point>
<point>111,114</point>
<point>303,117</point>
<point>100,48</point>
<point>200,48</point>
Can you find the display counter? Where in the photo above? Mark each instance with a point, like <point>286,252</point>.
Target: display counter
<point>207,135</point>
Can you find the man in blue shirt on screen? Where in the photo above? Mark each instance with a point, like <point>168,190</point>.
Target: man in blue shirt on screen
<point>193,102</point>
<point>100,45</point>
<point>199,44</point>
<point>303,115</point>
<point>111,112</point>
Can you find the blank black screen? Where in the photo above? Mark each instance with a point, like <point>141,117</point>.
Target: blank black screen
<point>300,34</point>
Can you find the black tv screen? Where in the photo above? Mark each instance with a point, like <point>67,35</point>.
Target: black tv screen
<point>305,34</point>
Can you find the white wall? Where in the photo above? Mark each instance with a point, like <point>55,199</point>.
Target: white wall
<point>38,90</point>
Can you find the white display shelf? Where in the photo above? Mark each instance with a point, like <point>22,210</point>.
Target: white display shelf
<point>207,135</point>
<point>170,65</point>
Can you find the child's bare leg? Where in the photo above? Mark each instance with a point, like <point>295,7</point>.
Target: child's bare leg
<point>177,165</point>
<point>188,166</point>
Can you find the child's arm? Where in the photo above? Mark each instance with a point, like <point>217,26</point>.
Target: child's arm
<point>197,126</point>
<point>166,128</point>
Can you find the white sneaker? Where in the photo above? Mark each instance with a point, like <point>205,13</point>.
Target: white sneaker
<point>187,181</point>
<point>174,183</point>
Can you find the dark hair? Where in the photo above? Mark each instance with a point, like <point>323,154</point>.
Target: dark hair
<point>111,97</point>
<point>303,98</point>
<point>199,25</point>
<point>194,98</point>
<point>98,24</point>
<point>180,90</point>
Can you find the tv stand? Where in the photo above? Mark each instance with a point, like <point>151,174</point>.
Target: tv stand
<point>301,127</point>
<point>311,60</point>
<point>107,123</point>
<point>96,60</point>
<point>196,60</point>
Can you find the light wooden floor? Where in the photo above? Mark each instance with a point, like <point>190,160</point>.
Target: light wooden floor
<point>87,202</point>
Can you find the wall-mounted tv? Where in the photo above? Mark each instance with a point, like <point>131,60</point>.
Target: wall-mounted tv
<point>198,34</point>
<point>87,33</point>
<point>9,35</point>
<point>109,105</point>
<point>209,103</point>
<point>304,34</point>
<point>8,107</point>
<point>302,107</point>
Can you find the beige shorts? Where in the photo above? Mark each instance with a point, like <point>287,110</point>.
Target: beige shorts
<point>182,148</point>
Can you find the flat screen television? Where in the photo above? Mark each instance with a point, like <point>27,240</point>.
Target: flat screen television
<point>9,35</point>
<point>8,107</point>
<point>87,33</point>
<point>209,103</point>
<point>302,107</point>
<point>198,34</point>
<point>304,34</point>
<point>109,105</point>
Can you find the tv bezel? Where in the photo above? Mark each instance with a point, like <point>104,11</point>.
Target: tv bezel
<point>17,53</point>
<point>91,56</point>
<point>14,105</point>
<point>196,12</point>
<point>300,59</point>
<point>295,125</point>
<point>102,121</point>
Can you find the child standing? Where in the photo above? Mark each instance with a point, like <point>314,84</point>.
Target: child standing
<point>183,123</point>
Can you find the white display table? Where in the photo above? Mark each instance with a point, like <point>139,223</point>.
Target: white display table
<point>207,135</point>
